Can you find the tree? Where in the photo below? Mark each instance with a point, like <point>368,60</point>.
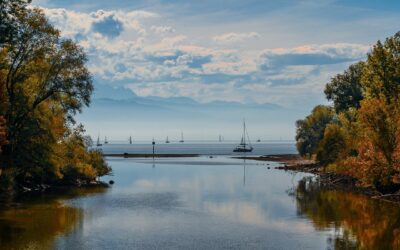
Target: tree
<point>331,146</point>
<point>3,134</point>
<point>41,69</point>
<point>345,90</point>
<point>310,131</point>
<point>10,10</point>
<point>378,160</point>
<point>381,76</point>
<point>44,81</point>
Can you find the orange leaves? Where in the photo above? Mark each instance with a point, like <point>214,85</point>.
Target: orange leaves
<point>378,142</point>
<point>3,133</point>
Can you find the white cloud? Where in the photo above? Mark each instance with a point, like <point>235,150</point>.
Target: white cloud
<point>72,23</point>
<point>135,49</point>
<point>162,29</point>
<point>233,37</point>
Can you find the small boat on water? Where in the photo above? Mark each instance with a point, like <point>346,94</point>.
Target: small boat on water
<point>98,144</point>
<point>244,146</point>
<point>130,139</point>
<point>105,140</point>
<point>182,140</point>
<point>167,141</point>
<point>259,140</point>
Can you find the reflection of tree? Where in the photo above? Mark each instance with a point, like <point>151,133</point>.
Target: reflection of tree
<point>36,224</point>
<point>359,222</point>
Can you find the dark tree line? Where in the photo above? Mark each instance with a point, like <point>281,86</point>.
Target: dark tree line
<point>44,82</point>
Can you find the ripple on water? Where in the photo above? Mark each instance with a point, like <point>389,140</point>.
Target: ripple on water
<point>136,201</point>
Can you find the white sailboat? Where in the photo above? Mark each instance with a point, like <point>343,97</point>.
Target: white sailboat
<point>130,139</point>
<point>167,140</point>
<point>244,146</point>
<point>98,144</point>
<point>182,140</point>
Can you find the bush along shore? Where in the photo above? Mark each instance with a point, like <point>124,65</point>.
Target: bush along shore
<point>44,82</point>
<point>358,134</point>
<point>329,179</point>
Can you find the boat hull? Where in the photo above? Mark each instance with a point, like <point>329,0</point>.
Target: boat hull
<point>242,150</point>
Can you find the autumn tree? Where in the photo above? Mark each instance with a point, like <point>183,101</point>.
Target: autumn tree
<point>379,116</point>
<point>310,131</point>
<point>3,133</point>
<point>365,139</point>
<point>41,69</point>
<point>44,82</point>
<point>331,146</point>
<point>381,77</point>
<point>345,90</point>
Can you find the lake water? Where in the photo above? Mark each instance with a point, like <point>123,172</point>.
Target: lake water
<point>200,203</point>
<point>197,147</point>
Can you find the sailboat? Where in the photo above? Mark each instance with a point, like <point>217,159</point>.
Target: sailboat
<point>98,144</point>
<point>130,139</point>
<point>182,141</point>
<point>244,146</point>
<point>259,140</point>
<point>167,141</point>
<point>105,140</point>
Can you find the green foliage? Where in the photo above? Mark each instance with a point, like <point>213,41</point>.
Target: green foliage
<point>10,10</point>
<point>364,141</point>
<point>80,162</point>
<point>331,145</point>
<point>44,81</point>
<point>310,131</point>
<point>381,77</point>
<point>345,89</point>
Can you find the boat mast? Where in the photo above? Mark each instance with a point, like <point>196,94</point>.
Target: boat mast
<point>248,138</point>
<point>244,133</point>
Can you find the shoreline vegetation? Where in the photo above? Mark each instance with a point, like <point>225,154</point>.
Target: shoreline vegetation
<point>356,138</point>
<point>327,179</point>
<point>126,155</point>
<point>44,83</point>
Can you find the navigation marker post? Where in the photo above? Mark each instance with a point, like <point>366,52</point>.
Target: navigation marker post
<point>153,143</point>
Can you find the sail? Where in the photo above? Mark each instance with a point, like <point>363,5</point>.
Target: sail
<point>244,146</point>
<point>242,141</point>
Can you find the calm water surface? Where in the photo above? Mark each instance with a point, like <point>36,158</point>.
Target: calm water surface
<point>199,147</point>
<point>200,203</point>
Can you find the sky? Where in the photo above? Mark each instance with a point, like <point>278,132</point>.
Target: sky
<point>251,52</point>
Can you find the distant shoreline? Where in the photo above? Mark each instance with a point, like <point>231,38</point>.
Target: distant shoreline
<point>126,155</point>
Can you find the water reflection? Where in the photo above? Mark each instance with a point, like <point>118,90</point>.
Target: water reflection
<point>34,223</point>
<point>357,221</point>
<point>201,203</point>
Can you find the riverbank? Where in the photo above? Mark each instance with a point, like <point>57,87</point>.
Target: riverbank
<point>126,155</point>
<point>329,180</point>
<point>28,187</point>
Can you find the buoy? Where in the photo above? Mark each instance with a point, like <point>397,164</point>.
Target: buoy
<point>111,182</point>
